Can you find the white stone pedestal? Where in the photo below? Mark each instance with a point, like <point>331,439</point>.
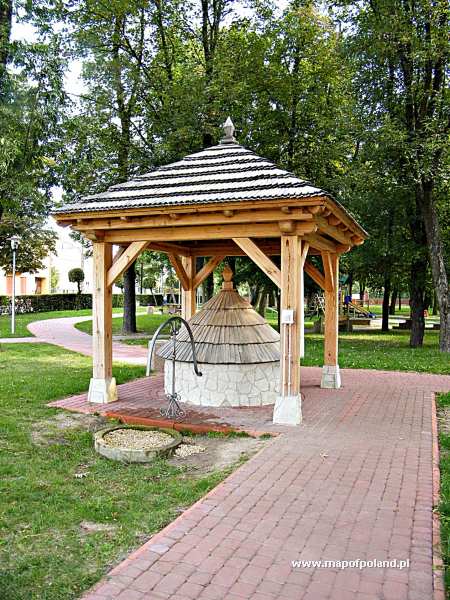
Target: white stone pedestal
<point>331,377</point>
<point>102,391</point>
<point>288,410</point>
<point>224,385</point>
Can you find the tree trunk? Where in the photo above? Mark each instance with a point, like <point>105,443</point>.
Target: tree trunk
<point>262,302</point>
<point>386,298</point>
<point>129,300</point>
<point>208,286</point>
<point>350,283</point>
<point>362,291</point>
<point>437,260</point>
<point>435,305</point>
<point>416,301</point>
<point>393,301</point>
<point>399,301</point>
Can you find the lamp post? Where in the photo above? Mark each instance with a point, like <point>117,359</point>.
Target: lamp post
<point>14,245</point>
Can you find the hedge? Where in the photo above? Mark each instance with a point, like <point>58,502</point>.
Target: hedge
<point>51,302</point>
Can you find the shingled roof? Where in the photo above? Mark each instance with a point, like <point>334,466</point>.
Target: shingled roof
<point>227,172</point>
<point>227,330</point>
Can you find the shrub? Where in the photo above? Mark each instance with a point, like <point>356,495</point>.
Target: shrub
<point>51,302</point>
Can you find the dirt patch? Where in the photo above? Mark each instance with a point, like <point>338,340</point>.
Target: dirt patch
<point>88,527</point>
<point>443,415</point>
<point>219,453</point>
<point>49,431</point>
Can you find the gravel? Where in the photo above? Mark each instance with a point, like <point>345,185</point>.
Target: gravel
<point>137,439</point>
<point>184,450</point>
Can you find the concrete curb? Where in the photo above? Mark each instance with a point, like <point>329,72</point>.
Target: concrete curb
<point>438,565</point>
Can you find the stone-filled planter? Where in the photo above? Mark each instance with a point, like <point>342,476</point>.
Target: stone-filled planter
<point>135,455</point>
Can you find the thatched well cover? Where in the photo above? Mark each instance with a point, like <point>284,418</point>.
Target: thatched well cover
<point>227,331</point>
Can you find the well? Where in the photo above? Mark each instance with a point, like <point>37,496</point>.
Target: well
<point>237,350</point>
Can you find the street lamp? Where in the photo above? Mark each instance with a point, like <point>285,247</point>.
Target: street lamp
<point>15,240</point>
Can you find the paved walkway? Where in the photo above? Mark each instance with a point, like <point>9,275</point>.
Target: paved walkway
<point>62,332</point>
<point>355,481</point>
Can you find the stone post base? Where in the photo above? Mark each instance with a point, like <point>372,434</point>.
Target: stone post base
<point>288,410</point>
<point>331,377</point>
<point>102,391</point>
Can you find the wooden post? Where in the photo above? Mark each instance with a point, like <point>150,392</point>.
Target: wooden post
<point>331,377</point>
<point>188,300</point>
<point>102,388</point>
<point>304,254</point>
<point>287,409</point>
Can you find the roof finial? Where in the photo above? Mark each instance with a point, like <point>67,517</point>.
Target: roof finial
<point>227,275</point>
<point>229,129</point>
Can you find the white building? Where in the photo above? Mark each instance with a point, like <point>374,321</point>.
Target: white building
<point>68,255</point>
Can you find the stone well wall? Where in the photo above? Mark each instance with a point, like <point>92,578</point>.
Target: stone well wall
<point>225,385</point>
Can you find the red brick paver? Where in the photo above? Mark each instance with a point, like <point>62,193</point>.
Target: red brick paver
<point>62,332</point>
<point>355,480</point>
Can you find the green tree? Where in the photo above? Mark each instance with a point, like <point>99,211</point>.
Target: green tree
<point>76,276</point>
<point>54,279</point>
<point>403,56</point>
<point>32,102</point>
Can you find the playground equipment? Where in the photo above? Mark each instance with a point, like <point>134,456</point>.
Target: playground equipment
<point>355,311</point>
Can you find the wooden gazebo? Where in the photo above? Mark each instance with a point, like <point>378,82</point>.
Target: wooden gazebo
<point>222,201</point>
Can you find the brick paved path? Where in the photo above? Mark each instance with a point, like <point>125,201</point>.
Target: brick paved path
<point>62,332</point>
<point>354,481</point>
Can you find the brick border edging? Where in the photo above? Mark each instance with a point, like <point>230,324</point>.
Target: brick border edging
<point>438,565</point>
<point>198,428</point>
<point>165,532</point>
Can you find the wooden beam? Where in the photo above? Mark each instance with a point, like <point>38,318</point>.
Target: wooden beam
<point>343,215</point>
<point>315,274</point>
<point>328,270</point>
<point>357,240</point>
<point>179,270</point>
<point>102,387</point>
<point>102,312</point>
<point>206,232</point>
<point>194,218</point>
<point>207,269</point>
<point>305,248</point>
<point>316,210</point>
<point>118,254</point>
<point>333,220</point>
<point>332,231</point>
<point>291,273</point>
<point>320,243</point>
<point>168,248</point>
<point>124,261</point>
<point>197,208</point>
<point>188,300</point>
<point>270,246</point>
<point>260,259</point>
<point>94,236</point>
<point>331,311</point>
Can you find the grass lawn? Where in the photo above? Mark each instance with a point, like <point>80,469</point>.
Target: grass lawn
<point>377,309</point>
<point>444,506</point>
<point>145,324</point>
<point>23,320</point>
<point>44,553</point>
<point>383,351</point>
<point>357,350</point>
